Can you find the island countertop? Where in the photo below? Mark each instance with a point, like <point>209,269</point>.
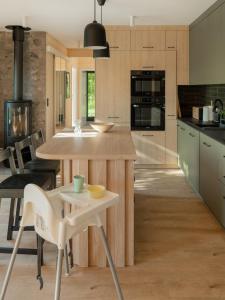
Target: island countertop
<point>116,144</point>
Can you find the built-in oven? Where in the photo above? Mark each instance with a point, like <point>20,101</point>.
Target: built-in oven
<point>148,114</point>
<point>148,83</point>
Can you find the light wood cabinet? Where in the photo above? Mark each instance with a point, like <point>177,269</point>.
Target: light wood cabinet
<point>171,40</point>
<point>182,57</point>
<point>171,87</point>
<point>118,39</point>
<point>113,88</point>
<point>148,60</point>
<point>148,40</point>
<point>150,147</point>
<point>171,142</point>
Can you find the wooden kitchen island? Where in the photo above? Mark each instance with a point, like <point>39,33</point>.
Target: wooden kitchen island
<point>106,159</point>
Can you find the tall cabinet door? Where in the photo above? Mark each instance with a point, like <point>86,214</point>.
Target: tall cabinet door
<point>121,63</point>
<point>113,88</point>
<point>105,82</point>
<point>171,87</point>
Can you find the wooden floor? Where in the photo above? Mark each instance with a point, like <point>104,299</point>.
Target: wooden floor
<point>180,251</point>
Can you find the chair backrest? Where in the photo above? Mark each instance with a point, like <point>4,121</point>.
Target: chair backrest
<point>20,146</point>
<point>8,154</point>
<point>40,213</point>
<point>37,139</point>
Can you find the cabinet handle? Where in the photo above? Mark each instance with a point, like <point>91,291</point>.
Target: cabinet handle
<point>192,135</point>
<point>148,47</point>
<point>114,47</point>
<point>171,47</point>
<point>113,117</point>
<point>171,115</point>
<point>148,67</point>
<point>148,135</point>
<point>207,145</point>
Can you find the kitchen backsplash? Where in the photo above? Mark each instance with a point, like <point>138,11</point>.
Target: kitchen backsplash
<point>198,95</point>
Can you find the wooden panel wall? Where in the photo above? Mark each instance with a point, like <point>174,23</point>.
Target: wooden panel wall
<point>118,221</point>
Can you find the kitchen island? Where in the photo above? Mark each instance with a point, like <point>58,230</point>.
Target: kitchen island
<point>106,159</point>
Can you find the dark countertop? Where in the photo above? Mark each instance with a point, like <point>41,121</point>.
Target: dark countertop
<point>216,133</point>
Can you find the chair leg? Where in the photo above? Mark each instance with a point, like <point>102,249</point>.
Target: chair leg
<point>58,274</point>
<point>111,264</point>
<point>17,219</point>
<point>12,260</point>
<point>66,257</point>
<point>11,220</point>
<point>71,253</point>
<point>39,260</point>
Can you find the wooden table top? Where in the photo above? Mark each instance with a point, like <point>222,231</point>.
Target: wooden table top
<point>114,145</point>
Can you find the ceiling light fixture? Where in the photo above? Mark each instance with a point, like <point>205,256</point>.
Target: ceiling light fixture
<point>102,53</point>
<point>94,34</point>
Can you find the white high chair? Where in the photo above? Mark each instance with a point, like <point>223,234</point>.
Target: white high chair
<point>43,210</point>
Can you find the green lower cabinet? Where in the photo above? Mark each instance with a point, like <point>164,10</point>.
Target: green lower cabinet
<point>219,210</point>
<point>210,187</point>
<point>188,153</point>
<point>209,156</point>
<point>193,157</point>
<point>202,160</point>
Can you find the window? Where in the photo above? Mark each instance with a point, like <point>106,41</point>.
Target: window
<point>90,92</point>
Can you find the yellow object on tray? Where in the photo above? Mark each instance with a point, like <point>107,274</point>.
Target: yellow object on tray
<point>96,191</point>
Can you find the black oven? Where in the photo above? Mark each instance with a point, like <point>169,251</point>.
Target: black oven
<point>148,114</point>
<point>148,84</point>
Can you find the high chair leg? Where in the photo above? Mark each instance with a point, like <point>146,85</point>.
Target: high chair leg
<point>111,263</point>
<point>12,260</point>
<point>66,257</point>
<point>58,274</point>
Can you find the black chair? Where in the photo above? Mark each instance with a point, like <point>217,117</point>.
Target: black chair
<point>36,165</point>
<point>13,188</point>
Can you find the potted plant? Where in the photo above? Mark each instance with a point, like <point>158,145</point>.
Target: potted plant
<point>222,118</point>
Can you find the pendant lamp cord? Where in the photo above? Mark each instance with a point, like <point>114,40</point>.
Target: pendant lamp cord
<point>94,10</point>
<point>101,14</point>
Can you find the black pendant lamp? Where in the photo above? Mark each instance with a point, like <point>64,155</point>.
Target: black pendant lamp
<point>102,53</point>
<point>94,34</point>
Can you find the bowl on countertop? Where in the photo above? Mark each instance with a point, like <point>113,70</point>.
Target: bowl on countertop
<point>102,127</point>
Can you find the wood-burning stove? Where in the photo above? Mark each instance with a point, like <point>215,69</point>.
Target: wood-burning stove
<point>17,121</point>
<point>17,111</point>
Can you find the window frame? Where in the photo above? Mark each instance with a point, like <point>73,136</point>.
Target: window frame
<point>88,119</point>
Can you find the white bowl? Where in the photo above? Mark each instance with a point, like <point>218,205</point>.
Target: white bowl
<point>102,127</point>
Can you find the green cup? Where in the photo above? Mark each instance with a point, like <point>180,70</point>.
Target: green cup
<point>78,182</point>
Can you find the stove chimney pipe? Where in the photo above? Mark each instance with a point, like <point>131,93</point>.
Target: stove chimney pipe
<point>18,38</point>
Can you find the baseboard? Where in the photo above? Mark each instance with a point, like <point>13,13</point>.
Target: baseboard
<point>142,166</point>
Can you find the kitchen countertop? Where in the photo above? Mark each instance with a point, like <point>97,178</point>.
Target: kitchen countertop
<point>116,144</point>
<point>216,133</point>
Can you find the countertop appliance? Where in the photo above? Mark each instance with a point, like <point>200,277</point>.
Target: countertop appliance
<point>197,113</point>
<point>148,100</point>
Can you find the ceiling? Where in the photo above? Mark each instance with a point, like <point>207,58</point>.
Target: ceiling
<point>66,19</point>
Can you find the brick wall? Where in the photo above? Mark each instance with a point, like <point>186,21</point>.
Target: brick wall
<point>34,76</point>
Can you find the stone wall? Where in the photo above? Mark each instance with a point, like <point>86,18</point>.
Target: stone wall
<point>34,76</point>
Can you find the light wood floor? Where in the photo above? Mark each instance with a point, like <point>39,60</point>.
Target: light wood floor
<point>180,251</point>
